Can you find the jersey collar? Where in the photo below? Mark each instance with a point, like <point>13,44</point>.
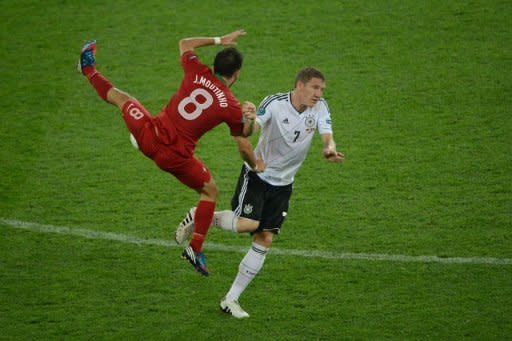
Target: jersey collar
<point>291,104</point>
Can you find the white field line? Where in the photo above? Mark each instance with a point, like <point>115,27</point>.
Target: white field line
<point>123,238</point>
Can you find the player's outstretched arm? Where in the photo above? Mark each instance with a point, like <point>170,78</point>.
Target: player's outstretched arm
<point>247,154</point>
<point>189,44</point>
<point>329,151</point>
<point>230,38</point>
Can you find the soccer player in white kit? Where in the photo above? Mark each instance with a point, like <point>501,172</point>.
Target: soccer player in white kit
<point>288,122</point>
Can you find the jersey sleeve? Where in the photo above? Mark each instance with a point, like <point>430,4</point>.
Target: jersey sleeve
<point>235,124</point>
<point>190,62</point>
<point>264,112</point>
<point>324,119</point>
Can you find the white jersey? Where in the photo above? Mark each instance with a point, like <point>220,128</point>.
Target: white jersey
<point>286,136</point>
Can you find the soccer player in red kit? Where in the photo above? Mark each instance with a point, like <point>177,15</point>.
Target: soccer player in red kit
<point>202,102</point>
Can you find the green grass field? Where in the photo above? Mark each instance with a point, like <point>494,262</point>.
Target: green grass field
<point>409,239</point>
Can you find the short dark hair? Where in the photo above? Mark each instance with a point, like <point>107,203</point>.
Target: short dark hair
<point>227,62</point>
<point>307,73</point>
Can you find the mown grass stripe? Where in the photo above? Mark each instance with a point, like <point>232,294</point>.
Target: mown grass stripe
<point>123,238</point>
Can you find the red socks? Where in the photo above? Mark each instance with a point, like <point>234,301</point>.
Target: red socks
<point>202,220</point>
<point>88,70</point>
<point>100,83</point>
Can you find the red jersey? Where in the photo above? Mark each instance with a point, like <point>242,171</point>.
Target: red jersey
<point>201,103</point>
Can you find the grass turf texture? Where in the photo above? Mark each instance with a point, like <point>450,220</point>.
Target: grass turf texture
<point>420,95</point>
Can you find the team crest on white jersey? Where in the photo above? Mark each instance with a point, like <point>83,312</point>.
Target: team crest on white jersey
<point>248,209</point>
<point>310,121</point>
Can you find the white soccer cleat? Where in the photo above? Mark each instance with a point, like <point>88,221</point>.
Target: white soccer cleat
<point>233,308</point>
<point>186,227</point>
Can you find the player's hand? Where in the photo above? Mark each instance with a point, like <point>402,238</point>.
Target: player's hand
<point>260,166</point>
<point>249,116</point>
<point>333,155</point>
<point>249,111</point>
<point>230,38</point>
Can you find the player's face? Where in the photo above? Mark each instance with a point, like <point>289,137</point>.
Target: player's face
<point>312,91</point>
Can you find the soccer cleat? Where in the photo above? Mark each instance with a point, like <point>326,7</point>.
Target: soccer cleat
<point>197,259</point>
<point>186,227</point>
<point>233,308</point>
<point>87,56</point>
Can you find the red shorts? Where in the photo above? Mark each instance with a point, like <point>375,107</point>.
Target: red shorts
<point>169,157</point>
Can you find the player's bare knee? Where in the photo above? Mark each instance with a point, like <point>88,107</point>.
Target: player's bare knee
<point>264,238</point>
<point>210,190</point>
<point>268,239</point>
<point>214,191</point>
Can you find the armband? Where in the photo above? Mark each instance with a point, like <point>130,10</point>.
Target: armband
<point>217,41</point>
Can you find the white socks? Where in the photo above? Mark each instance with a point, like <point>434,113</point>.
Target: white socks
<point>249,267</point>
<point>250,264</point>
<point>225,220</point>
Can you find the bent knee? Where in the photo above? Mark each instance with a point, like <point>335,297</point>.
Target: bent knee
<point>264,238</point>
<point>210,189</point>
